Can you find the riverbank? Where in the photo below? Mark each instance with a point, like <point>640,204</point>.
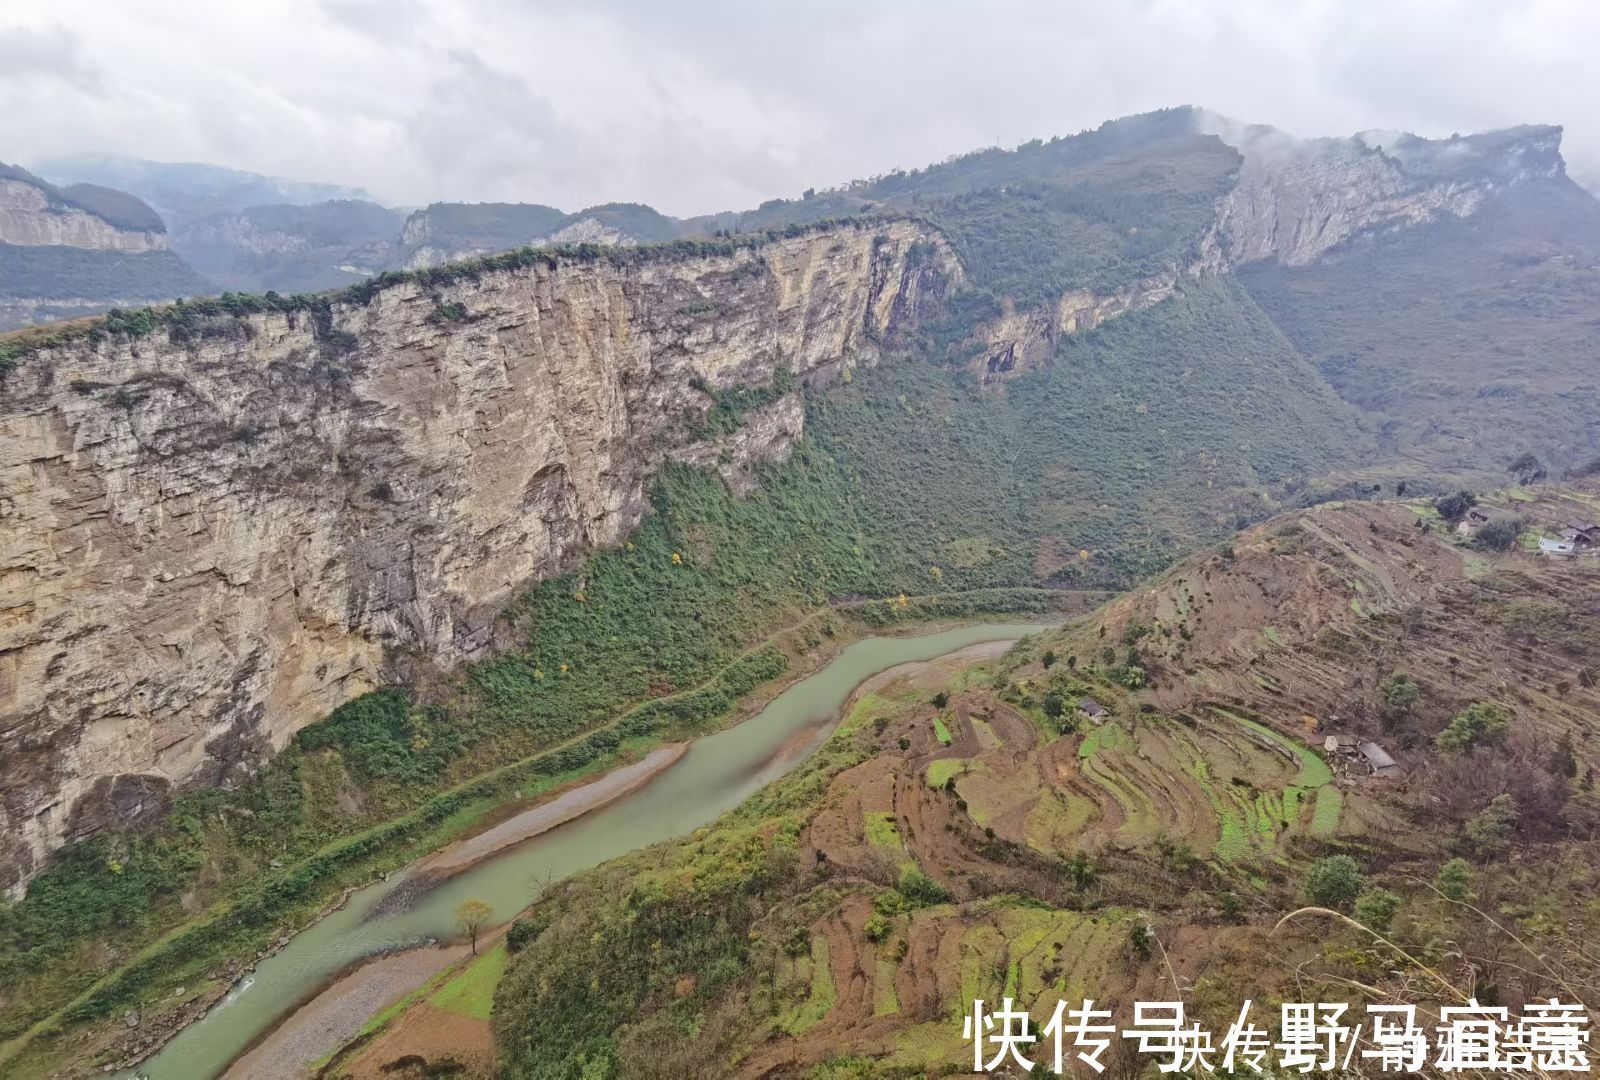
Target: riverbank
<point>720,771</point>
<point>420,1029</point>
<point>177,1001</point>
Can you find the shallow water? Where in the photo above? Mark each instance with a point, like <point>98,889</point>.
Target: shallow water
<point>716,774</point>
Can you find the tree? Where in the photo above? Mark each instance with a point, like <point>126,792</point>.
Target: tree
<point>1335,881</point>
<point>1454,880</point>
<point>1483,723</point>
<point>1454,507</point>
<point>1054,705</point>
<point>1400,696</point>
<point>1141,939</point>
<point>1489,832</point>
<point>1526,468</point>
<point>1375,909</point>
<point>1498,535</point>
<point>472,916</point>
<point>1563,760</point>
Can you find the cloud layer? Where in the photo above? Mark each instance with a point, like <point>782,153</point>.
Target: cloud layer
<point>702,105</point>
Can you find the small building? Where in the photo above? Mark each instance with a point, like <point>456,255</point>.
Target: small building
<point>1093,710</point>
<point>1362,752</point>
<point>1378,760</point>
<point>1477,517</point>
<point>1344,745</point>
<point>1560,548</point>
<point>1582,533</point>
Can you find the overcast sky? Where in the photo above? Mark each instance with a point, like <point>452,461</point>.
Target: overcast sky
<point>702,105</point>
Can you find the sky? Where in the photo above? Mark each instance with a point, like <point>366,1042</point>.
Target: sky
<point>696,106</point>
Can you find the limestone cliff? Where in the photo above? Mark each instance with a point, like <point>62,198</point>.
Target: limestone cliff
<point>33,214</point>
<point>207,545</point>
<point>1298,198</point>
<point>1293,201</point>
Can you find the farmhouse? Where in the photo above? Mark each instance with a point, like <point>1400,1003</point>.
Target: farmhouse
<point>1340,744</point>
<point>1583,534</point>
<point>1354,751</point>
<point>1093,710</point>
<point>1479,516</point>
<point>1378,759</point>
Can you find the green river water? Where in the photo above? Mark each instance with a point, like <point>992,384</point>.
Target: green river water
<point>716,774</point>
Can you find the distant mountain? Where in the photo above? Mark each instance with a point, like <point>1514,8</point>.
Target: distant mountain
<point>80,249</point>
<point>185,191</point>
<point>445,232</point>
<point>289,248</point>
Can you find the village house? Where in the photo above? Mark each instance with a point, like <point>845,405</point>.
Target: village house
<point>1363,752</point>
<point>1093,710</point>
<point>1340,744</point>
<point>1479,516</point>
<point>1577,537</point>
<point>1583,534</point>
<point>1378,760</point>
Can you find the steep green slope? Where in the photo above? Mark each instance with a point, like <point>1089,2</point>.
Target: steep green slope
<point>1098,210</point>
<point>1154,434</point>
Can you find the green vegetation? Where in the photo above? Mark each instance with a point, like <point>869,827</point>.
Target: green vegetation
<point>1483,723</point>
<point>1453,508</point>
<point>224,316</point>
<point>1454,880</point>
<point>1401,693</point>
<point>941,732</point>
<point>647,628</point>
<point>1498,535</point>
<point>471,992</point>
<point>881,830</point>
<point>1335,881</point>
<point>1375,909</point>
<point>1464,296</point>
<point>56,271</point>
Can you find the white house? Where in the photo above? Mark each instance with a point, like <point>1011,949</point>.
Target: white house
<point>1557,546</point>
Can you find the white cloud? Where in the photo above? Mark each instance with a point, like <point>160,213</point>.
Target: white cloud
<point>702,105</point>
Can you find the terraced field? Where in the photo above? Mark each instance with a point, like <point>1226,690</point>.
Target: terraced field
<point>969,834</point>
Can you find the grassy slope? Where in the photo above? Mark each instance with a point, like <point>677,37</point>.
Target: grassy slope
<point>1152,435</point>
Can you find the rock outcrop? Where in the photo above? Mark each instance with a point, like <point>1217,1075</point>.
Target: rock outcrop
<point>1294,201</point>
<point>205,546</point>
<point>33,215</point>
<point>1298,198</point>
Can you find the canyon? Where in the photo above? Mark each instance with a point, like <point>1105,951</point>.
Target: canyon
<point>210,541</point>
<point>209,545</point>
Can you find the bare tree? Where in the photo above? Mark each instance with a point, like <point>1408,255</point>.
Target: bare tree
<point>472,916</point>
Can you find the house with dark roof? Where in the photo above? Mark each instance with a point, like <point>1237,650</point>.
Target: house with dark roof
<point>1582,533</point>
<point>1093,710</point>
<point>1378,760</point>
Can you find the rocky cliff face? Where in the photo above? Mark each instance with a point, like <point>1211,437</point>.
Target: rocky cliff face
<point>207,546</point>
<point>1294,200</point>
<point>1297,198</point>
<point>30,216</point>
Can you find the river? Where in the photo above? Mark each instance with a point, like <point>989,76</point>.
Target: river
<point>716,774</point>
